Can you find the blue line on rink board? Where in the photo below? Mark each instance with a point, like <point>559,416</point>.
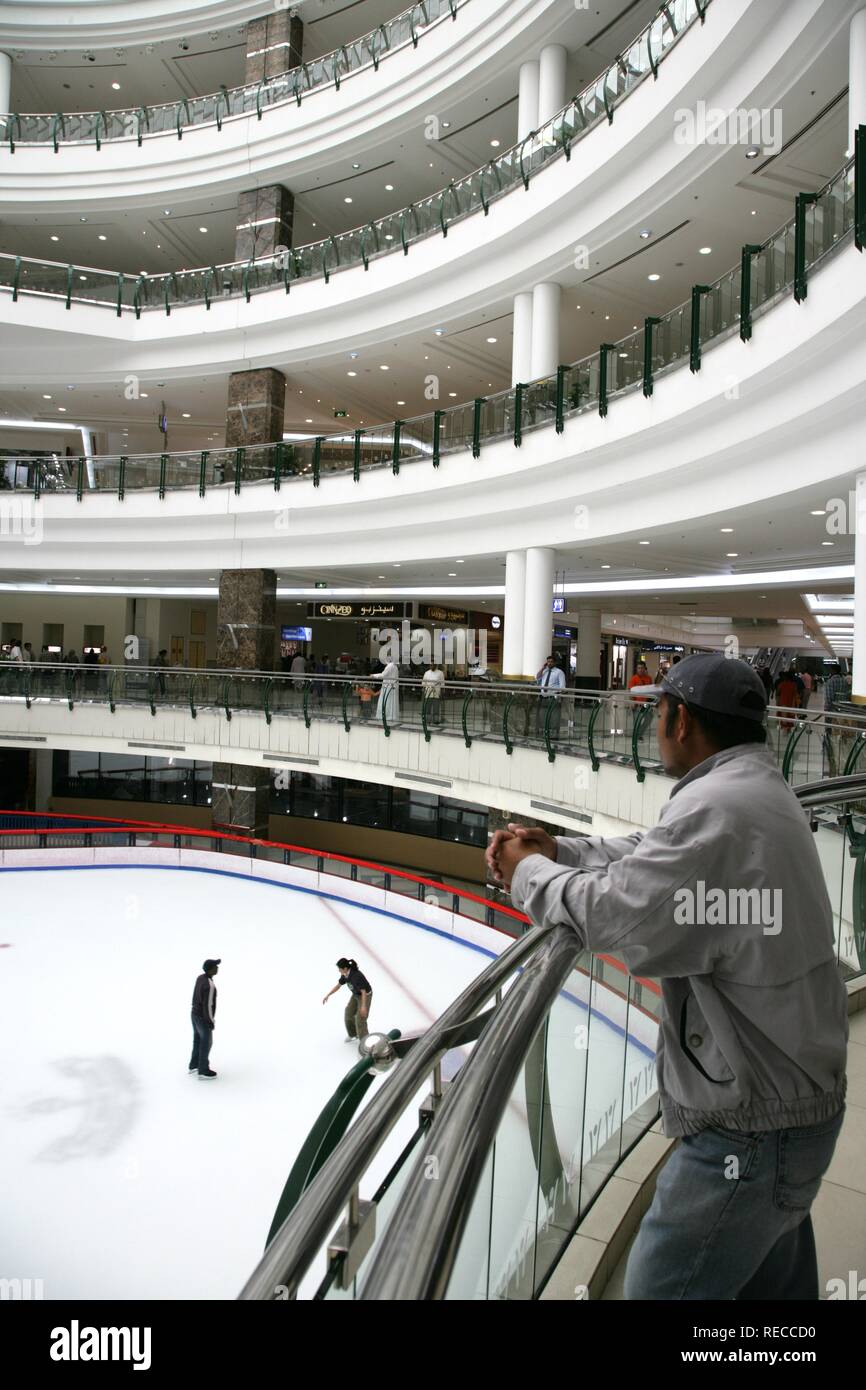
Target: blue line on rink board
<point>316,893</point>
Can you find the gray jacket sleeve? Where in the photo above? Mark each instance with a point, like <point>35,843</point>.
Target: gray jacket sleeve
<point>628,905</point>
<point>593,852</point>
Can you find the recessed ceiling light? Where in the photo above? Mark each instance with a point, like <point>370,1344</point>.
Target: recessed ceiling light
<point>828,542</point>
<point>308,422</point>
<point>82,219</point>
<point>643,542</point>
<point>605,567</point>
<point>819,512</point>
<point>356,166</point>
<point>351,374</point>
<point>732,554</point>
<point>460,562</point>
<point>380,576</point>
<point>167,212</point>
<point>115,86</point>
<point>647,232</point>
<point>439,332</point>
<point>401,402</point>
<point>706,250</point>
<point>753,151</point>
<point>353,356</point>
<point>452,574</point>
<point>494,144</point>
<point>389,188</point>
<point>347,200</point>
<point>397,567</point>
<point>727,530</point>
<point>102,237</point>
<point>754,212</point>
<point>185,415</point>
<point>653,277</point>
<point>144,395</point>
<point>62,409</point>
<point>202,229</point>
<point>452,393</point>
<point>47,398</point>
<point>446,125</point>
<point>55,238</point>
<point>384,368</point>
<point>623,354</point>
<point>492,340</point>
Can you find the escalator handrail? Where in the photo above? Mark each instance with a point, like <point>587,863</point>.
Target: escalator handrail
<point>432,1216</point>
<point>306,1229</point>
<point>828,790</point>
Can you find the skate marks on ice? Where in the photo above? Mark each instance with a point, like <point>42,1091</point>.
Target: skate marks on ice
<point>102,1094</point>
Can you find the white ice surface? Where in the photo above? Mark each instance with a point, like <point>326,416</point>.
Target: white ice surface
<point>124,1177</point>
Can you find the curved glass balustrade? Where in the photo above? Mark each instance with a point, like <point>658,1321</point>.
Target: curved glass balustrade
<point>136,123</point>
<point>823,223</point>
<point>430,216</point>
<point>600,726</point>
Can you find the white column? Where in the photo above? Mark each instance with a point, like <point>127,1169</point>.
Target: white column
<point>856,75</point>
<point>538,609</point>
<point>5,83</point>
<point>858,671</point>
<point>551,81</point>
<point>527,101</point>
<point>545,330</point>
<point>515,599</point>
<point>521,347</point>
<point>588,645</point>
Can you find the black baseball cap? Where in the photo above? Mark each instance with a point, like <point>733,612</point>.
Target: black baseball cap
<point>208,965</point>
<point>710,681</point>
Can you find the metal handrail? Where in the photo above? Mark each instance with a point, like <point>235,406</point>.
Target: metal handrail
<point>305,1231</point>
<point>432,1216</point>
<point>830,790</point>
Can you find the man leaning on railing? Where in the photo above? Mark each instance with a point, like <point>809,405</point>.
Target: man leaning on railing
<point>724,902</point>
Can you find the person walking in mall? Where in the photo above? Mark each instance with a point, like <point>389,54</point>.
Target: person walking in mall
<point>550,680</point>
<point>432,684</point>
<point>389,696</point>
<point>753,1028</point>
<point>160,665</point>
<point>361,997</point>
<point>641,677</point>
<point>204,999</point>
<point>787,696</point>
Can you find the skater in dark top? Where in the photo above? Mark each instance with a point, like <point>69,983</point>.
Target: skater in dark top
<point>204,998</point>
<point>360,998</point>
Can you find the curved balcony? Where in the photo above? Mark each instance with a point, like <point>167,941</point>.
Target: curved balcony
<point>58,129</point>
<point>824,223</point>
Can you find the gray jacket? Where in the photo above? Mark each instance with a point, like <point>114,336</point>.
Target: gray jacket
<point>754,1019</point>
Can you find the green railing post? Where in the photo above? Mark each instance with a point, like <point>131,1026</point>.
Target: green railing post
<point>518,414</point>
<point>151,691</point>
<point>437,435</point>
<point>551,703</point>
<point>356,458</point>
<point>317,459</point>
<point>602,377</point>
<point>121,478</point>
<point>192,707</point>
<point>307,716</point>
<point>560,398</point>
<point>119,294</point>
<point>225,698</point>
<point>860,187</point>
<point>695,336</point>
<point>649,323</point>
<point>794,737</point>
<point>112,704</point>
<point>749,250</point>
<point>70,270</point>
<point>79,481</point>
<point>163,464</point>
<point>590,735</point>
<point>240,457</point>
<point>641,716</point>
<point>801,286</point>
<point>425,697</point>
<point>395,449</point>
<point>15,278</point>
<point>480,402</point>
<point>37,480</point>
<point>278,465</point>
<point>69,680</point>
<point>202,473</point>
<point>142,111</point>
<point>266,700</point>
<point>386,693</point>
<point>506,710</point>
<point>463,713</point>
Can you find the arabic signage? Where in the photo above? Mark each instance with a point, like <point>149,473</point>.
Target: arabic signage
<point>440,613</point>
<point>373,611</point>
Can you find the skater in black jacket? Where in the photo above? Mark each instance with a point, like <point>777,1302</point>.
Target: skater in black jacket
<point>204,998</point>
<point>361,996</point>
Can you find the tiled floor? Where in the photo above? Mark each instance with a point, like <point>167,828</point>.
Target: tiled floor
<point>839,1213</point>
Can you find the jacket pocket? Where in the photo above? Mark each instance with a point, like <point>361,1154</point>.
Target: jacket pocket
<point>699,1045</point>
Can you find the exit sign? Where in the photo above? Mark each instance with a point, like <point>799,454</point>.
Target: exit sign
<point>321,583</point>
<point>340,414</point>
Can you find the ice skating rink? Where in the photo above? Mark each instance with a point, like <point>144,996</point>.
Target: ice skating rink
<point>122,1175</point>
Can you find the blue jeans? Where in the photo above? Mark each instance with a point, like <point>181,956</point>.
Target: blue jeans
<point>730,1217</point>
<point>202,1037</point>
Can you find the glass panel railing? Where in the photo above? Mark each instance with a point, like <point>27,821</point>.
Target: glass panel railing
<point>253,99</point>
<point>463,427</point>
